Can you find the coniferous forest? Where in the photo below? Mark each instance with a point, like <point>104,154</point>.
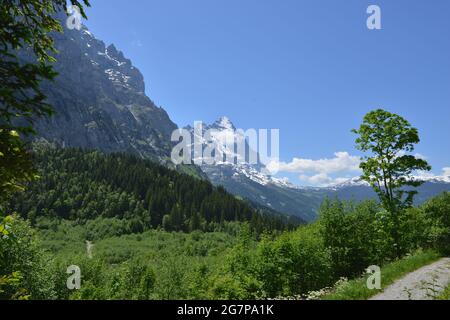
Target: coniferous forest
<point>81,186</point>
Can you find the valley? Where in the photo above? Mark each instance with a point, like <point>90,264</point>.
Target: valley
<point>88,180</point>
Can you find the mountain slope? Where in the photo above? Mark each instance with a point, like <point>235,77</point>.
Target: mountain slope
<point>100,103</point>
<point>251,181</point>
<point>242,180</point>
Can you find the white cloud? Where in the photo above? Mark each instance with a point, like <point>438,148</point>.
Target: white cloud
<point>322,172</point>
<point>427,174</point>
<point>420,156</point>
<point>322,180</point>
<point>342,162</point>
<point>332,171</point>
<point>318,179</point>
<point>424,174</point>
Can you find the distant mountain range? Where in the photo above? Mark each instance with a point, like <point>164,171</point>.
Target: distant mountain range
<point>100,103</point>
<point>356,189</point>
<point>250,182</point>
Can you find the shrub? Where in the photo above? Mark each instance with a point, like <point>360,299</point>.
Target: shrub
<point>24,271</point>
<point>437,210</point>
<point>305,262</point>
<point>354,235</point>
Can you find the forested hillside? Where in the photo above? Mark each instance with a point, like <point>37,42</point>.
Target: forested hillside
<point>85,185</point>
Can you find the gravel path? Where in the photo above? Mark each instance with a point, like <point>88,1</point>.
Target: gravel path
<point>422,284</point>
<point>89,246</point>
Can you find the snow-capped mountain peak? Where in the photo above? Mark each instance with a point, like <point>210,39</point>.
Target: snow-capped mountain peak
<point>223,123</point>
<point>433,178</point>
<point>352,182</point>
<point>224,131</point>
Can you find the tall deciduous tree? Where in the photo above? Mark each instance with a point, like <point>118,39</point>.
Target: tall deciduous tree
<point>25,25</point>
<point>389,139</point>
<point>388,168</point>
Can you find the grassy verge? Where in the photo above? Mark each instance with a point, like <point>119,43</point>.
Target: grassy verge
<point>445,295</point>
<point>357,289</point>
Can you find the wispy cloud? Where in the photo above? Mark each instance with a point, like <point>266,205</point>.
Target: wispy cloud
<point>137,43</point>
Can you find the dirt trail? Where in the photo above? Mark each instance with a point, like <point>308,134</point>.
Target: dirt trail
<point>89,246</point>
<point>422,284</point>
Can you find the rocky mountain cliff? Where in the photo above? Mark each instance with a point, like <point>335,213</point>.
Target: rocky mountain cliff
<point>100,102</point>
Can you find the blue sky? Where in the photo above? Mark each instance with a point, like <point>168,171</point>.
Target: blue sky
<point>310,68</point>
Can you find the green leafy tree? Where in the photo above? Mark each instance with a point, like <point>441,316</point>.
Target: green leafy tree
<point>25,31</point>
<point>15,164</point>
<point>389,139</point>
<point>23,264</point>
<point>438,211</point>
<point>388,169</point>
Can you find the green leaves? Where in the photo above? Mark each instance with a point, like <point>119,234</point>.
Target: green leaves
<point>382,131</point>
<point>15,164</point>
<point>387,138</point>
<point>26,46</point>
<point>13,280</point>
<point>23,266</point>
<point>438,211</point>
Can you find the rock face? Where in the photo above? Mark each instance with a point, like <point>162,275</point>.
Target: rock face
<point>100,103</point>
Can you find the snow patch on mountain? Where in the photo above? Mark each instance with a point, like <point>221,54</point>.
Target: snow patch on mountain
<point>425,177</point>
<point>224,137</point>
<point>223,123</point>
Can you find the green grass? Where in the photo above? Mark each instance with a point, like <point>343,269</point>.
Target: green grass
<point>357,289</point>
<point>445,295</point>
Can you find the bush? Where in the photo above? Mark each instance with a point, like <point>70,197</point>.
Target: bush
<point>414,230</point>
<point>437,210</point>
<point>295,263</point>
<point>354,234</point>
<point>24,271</point>
<point>236,279</point>
<point>359,235</point>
